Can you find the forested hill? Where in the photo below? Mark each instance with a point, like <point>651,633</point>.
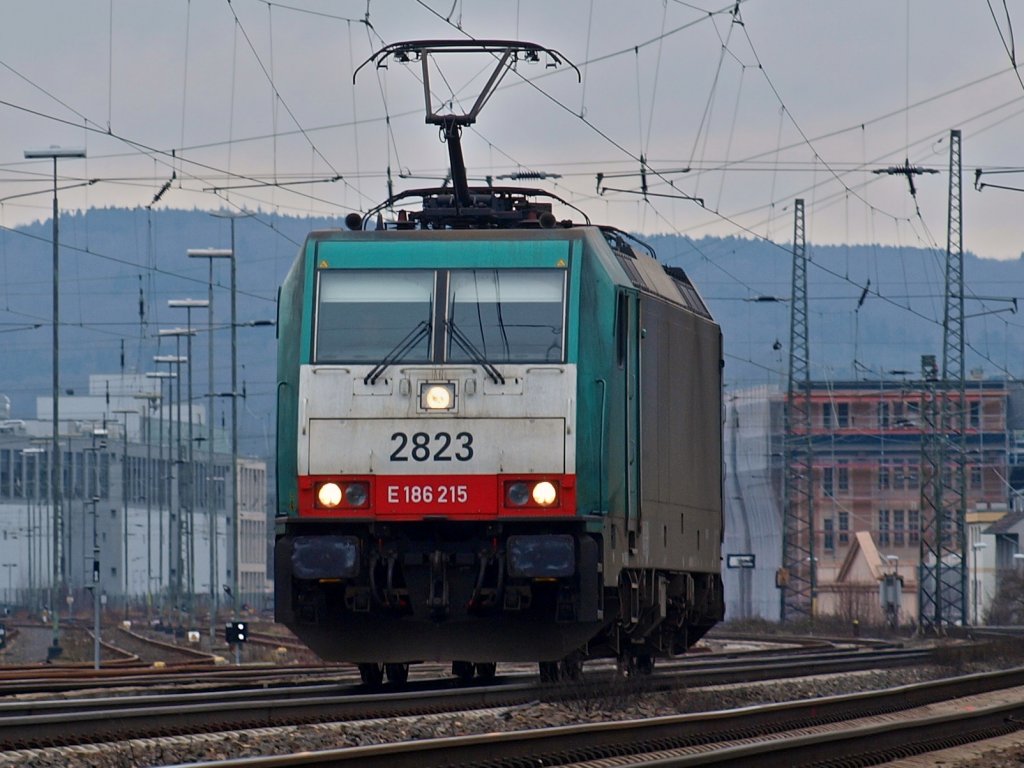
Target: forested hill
<point>120,267</point>
<point>854,333</point>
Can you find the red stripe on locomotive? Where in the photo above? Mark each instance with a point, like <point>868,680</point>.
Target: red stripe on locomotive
<point>417,497</point>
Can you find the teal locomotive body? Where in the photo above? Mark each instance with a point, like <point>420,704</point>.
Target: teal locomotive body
<point>495,444</point>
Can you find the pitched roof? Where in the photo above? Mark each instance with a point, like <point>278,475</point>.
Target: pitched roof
<point>1008,523</point>
<point>863,549</point>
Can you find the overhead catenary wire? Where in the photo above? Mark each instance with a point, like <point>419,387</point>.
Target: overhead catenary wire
<point>782,114</point>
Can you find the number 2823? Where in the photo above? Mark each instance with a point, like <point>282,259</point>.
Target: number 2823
<point>421,446</point>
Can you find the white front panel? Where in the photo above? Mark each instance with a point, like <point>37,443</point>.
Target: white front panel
<point>526,424</point>
<point>436,446</point>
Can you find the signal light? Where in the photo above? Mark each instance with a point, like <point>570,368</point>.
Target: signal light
<point>236,632</point>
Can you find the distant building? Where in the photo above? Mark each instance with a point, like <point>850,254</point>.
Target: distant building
<point>130,496</point>
<point>866,445</point>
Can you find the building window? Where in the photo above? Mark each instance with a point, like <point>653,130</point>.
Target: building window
<point>975,476</point>
<point>827,486</point>
<point>912,417</point>
<point>843,416</point>
<point>899,474</point>
<point>883,528</point>
<point>5,474</point>
<point>830,541</point>
<point>844,477</point>
<point>913,473</point>
<point>883,474</point>
<point>975,413</point>
<point>844,528</point>
<point>826,415</point>
<point>18,490</point>
<point>883,416</point>
<point>104,476</point>
<point>913,526</point>
<point>898,527</point>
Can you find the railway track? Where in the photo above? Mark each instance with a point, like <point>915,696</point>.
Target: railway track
<point>864,729</point>
<point>200,673</point>
<point>213,707</point>
<point>201,669</point>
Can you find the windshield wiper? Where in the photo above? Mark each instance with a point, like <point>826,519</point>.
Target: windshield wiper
<point>400,350</point>
<point>475,356</point>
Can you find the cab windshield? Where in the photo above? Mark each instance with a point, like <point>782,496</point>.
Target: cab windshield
<point>508,315</point>
<point>364,315</point>
<point>426,316</point>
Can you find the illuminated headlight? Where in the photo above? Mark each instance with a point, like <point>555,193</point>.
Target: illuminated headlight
<point>329,495</point>
<point>521,493</point>
<point>437,397</point>
<point>544,494</point>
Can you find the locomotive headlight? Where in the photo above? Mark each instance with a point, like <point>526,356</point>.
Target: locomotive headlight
<point>437,397</point>
<point>329,495</point>
<point>356,494</point>
<point>544,494</point>
<point>518,494</point>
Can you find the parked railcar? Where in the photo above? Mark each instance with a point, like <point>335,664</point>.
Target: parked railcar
<point>499,439</point>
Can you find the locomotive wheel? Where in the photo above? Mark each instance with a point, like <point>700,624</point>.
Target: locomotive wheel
<point>549,672</point>
<point>463,670</point>
<point>371,674</point>
<point>397,673</point>
<point>486,670</point>
<point>644,664</point>
<point>625,665</point>
<point>572,668</point>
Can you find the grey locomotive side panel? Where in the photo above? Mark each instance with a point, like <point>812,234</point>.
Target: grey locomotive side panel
<point>681,460</point>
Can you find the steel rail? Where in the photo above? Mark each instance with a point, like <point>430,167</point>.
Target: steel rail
<point>652,742</point>
<point>45,678</point>
<point>90,720</point>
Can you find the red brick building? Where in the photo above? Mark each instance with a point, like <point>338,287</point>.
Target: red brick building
<point>867,440</point>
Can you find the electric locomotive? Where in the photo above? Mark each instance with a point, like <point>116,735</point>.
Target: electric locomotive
<point>499,438</point>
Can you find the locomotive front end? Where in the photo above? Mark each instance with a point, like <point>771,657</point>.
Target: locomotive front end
<point>434,503</point>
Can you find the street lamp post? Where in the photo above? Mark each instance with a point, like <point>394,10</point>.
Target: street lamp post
<point>210,254</point>
<point>54,153</point>
<point>126,412</point>
<point>161,376</point>
<point>234,519</point>
<point>150,398</point>
<point>188,305</point>
<point>174,523</point>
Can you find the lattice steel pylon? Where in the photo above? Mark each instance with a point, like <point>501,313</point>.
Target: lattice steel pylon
<point>797,579</point>
<point>942,578</point>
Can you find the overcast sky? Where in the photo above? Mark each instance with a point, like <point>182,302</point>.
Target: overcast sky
<point>787,99</point>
